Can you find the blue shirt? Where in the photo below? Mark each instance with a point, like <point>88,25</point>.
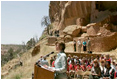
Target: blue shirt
<point>84,43</point>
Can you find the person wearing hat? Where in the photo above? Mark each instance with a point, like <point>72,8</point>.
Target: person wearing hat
<point>102,67</point>
<point>96,71</point>
<point>109,74</point>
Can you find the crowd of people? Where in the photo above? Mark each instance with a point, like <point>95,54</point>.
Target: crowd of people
<point>85,44</point>
<point>102,67</point>
<point>99,66</point>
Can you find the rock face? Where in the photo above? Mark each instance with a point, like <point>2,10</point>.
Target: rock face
<point>36,50</point>
<point>68,38</point>
<point>72,30</point>
<point>65,13</point>
<point>52,40</point>
<point>93,30</point>
<point>105,43</point>
<point>81,19</point>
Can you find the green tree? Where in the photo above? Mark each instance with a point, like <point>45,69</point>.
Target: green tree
<point>31,43</point>
<point>11,53</point>
<point>46,23</point>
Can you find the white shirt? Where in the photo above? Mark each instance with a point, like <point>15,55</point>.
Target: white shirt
<point>79,43</point>
<point>61,66</point>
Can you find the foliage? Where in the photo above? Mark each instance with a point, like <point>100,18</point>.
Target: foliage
<point>46,23</point>
<point>42,37</point>
<point>18,76</point>
<point>9,55</point>
<point>31,43</point>
<point>11,52</point>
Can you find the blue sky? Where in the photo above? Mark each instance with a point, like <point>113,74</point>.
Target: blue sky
<point>21,20</point>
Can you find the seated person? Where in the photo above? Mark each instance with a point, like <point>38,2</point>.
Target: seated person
<point>72,68</point>
<point>83,66</point>
<point>39,61</point>
<point>102,57</point>
<point>102,67</point>
<point>96,72</point>
<point>68,60</point>
<point>69,56</point>
<point>51,60</point>
<point>92,59</point>
<point>88,62</point>
<point>107,58</point>
<point>113,65</point>
<point>44,62</point>
<point>89,67</point>
<point>77,66</point>
<point>115,74</point>
<point>109,74</point>
<point>41,58</point>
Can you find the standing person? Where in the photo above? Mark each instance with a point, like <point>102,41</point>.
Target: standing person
<point>89,45</point>
<point>60,64</point>
<point>74,45</point>
<point>79,45</point>
<point>84,46</point>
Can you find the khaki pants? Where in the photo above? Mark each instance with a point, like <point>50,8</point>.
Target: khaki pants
<point>88,47</point>
<point>79,49</point>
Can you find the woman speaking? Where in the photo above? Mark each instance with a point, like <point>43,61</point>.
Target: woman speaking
<point>60,62</point>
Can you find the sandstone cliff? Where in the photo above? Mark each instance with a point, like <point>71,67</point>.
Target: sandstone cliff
<point>81,19</point>
<point>67,12</point>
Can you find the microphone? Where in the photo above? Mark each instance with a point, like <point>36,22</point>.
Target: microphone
<point>49,54</point>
